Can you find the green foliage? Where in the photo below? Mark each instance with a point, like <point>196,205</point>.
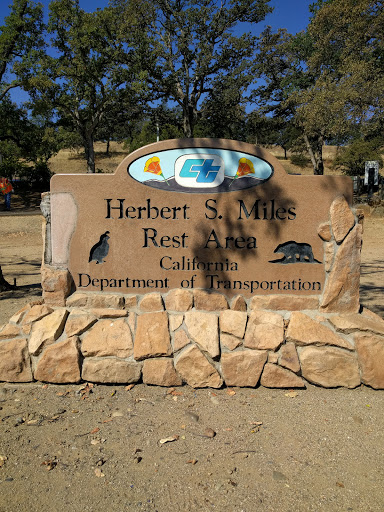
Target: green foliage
<point>85,83</point>
<point>21,39</point>
<point>351,159</point>
<point>185,46</point>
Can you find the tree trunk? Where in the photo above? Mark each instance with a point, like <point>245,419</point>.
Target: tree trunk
<point>315,150</point>
<point>188,121</point>
<point>89,153</point>
<point>4,285</point>
<point>107,149</point>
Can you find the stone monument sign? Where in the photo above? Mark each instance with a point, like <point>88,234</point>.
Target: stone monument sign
<point>217,215</point>
<point>199,261</point>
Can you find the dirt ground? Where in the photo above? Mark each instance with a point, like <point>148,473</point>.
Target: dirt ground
<point>99,448</point>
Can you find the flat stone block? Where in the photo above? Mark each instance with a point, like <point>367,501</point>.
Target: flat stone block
<point>180,340</point>
<point>243,368</point>
<point>233,322</point>
<point>175,321</point>
<point>303,330</point>
<point>289,358</point>
<point>9,331</point>
<point>56,284</point>
<point>341,293</point>
<point>111,371</point>
<point>203,330</point>
<point>229,341</point>
<point>108,338</point>
<point>179,300</point>
<point>239,304</point>
<point>342,218</point>
<point>95,300</point>
<point>284,302</point>
<point>324,231</point>
<point>36,313</point>
<point>209,301</point>
<point>47,330</point>
<point>353,323</point>
<point>59,363</point>
<point>329,367</point>
<point>151,302</point>
<point>196,370</point>
<point>265,330</point>
<point>152,336</point>
<point>15,364</point>
<point>274,376</point>
<point>78,322</point>
<point>370,353</point>
<point>160,372</point>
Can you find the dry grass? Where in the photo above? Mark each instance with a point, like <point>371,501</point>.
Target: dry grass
<point>73,161</point>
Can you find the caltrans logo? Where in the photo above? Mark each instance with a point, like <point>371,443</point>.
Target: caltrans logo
<point>199,170</point>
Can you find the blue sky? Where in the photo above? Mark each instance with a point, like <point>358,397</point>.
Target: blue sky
<point>290,14</point>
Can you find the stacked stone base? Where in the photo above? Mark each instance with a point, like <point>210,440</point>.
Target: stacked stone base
<point>195,338</point>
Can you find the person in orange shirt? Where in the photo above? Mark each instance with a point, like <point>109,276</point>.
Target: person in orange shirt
<point>6,189</point>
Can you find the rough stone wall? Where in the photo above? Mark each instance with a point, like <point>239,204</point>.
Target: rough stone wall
<point>190,337</point>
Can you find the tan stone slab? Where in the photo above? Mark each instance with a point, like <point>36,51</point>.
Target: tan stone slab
<point>111,371</point>
<point>352,323</point>
<point>78,322</point>
<point>203,330</point>
<point>243,368</point>
<point>59,363</point>
<point>233,322</point>
<point>63,222</point>
<point>152,336</point>
<point>17,317</point>
<point>370,353</point>
<point>341,293</point>
<point>370,314</point>
<point>329,367</point>
<point>36,313</point>
<point>95,300</point>
<point>303,330</point>
<point>132,321</point>
<point>289,358</point>
<point>324,231</point>
<point>180,340</point>
<point>179,300</point>
<point>151,302</point>
<point>229,341</point>
<point>130,302</point>
<point>56,284</point>
<point>27,329</point>
<point>239,304</point>
<point>273,357</point>
<point>284,302</point>
<point>209,301</point>
<point>160,372</point>
<point>329,253</point>
<point>342,218</point>
<point>109,313</point>
<point>47,330</point>
<point>175,321</point>
<point>196,370</point>
<point>9,331</point>
<point>265,330</point>
<point>274,376</point>
<point>15,364</point>
<point>108,338</point>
